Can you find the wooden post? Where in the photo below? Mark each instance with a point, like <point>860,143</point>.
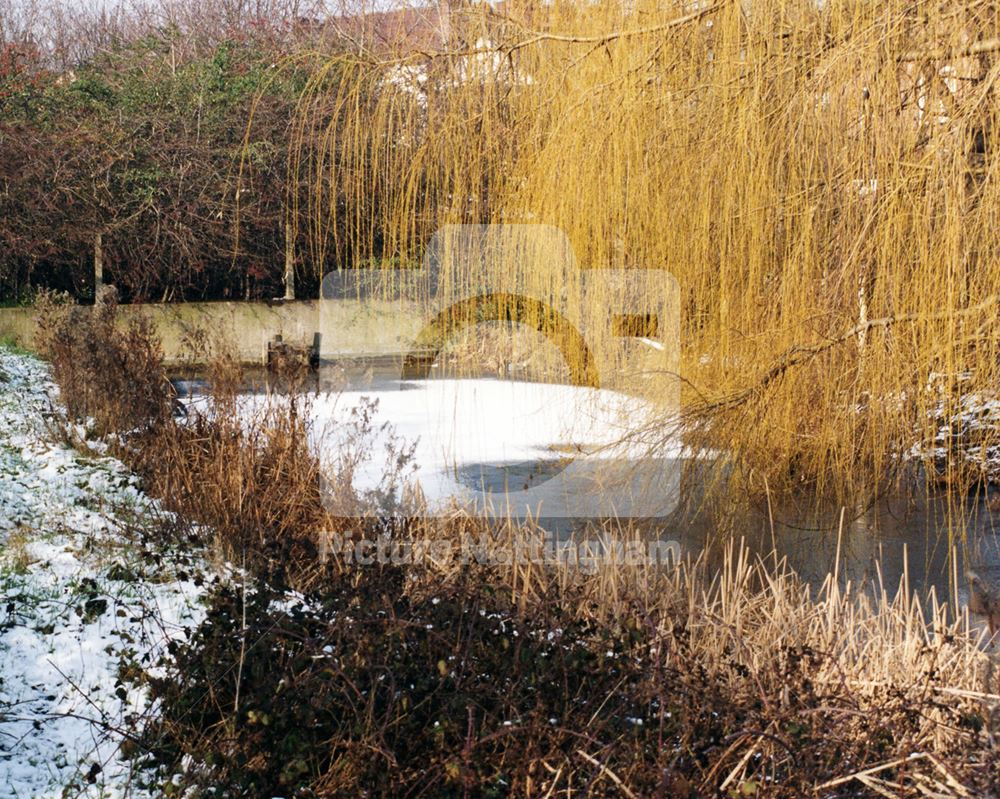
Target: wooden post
<point>98,265</point>
<point>289,262</point>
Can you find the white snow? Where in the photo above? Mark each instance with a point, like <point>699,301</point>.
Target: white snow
<point>475,433</point>
<point>70,607</point>
<point>967,432</point>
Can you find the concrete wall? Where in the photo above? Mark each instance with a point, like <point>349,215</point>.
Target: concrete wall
<point>349,328</point>
<point>372,329</point>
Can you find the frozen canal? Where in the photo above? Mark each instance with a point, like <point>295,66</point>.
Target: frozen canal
<point>557,452</point>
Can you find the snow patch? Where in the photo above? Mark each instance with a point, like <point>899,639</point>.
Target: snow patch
<point>74,605</point>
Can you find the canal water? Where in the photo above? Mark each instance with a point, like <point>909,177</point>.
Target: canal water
<point>479,442</point>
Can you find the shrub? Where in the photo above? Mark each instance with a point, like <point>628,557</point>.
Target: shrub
<point>248,476</point>
<point>370,686</point>
<point>178,162</point>
<point>109,372</point>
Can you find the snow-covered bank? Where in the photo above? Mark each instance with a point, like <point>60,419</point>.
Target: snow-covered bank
<point>968,436</point>
<point>79,601</point>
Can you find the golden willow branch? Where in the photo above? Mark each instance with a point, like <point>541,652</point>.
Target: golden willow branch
<point>943,54</point>
<point>538,37</point>
<point>799,354</point>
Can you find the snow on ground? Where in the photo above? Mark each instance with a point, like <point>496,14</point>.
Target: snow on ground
<point>74,604</point>
<point>969,433</point>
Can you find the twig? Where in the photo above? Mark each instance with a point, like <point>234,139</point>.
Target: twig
<point>879,787</point>
<point>597,40</point>
<point>959,692</point>
<point>946,53</point>
<point>949,778</point>
<point>605,38</point>
<point>739,766</point>
<point>605,770</point>
<point>861,775</point>
<point>243,648</point>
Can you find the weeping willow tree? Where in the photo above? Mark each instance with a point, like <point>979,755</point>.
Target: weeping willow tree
<point>818,177</point>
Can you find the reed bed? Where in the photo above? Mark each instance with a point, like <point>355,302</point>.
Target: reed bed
<point>818,177</point>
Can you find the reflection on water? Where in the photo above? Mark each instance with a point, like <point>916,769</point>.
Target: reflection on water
<point>872,546</point>
<point>499,478</point>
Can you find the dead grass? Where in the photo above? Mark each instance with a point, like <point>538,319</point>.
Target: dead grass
<point>250,478</point>
<point>16,544</point>
<point>108,372</point>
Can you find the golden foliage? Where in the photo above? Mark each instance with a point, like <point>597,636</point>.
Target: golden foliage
<point>800,168</point>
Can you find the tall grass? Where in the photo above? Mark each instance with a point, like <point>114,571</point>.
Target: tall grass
<point>250,478</point>
<point>817,176</point>
<point>109,373</point>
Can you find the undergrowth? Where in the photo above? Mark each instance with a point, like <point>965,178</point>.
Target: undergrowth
<point>490,676</point>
